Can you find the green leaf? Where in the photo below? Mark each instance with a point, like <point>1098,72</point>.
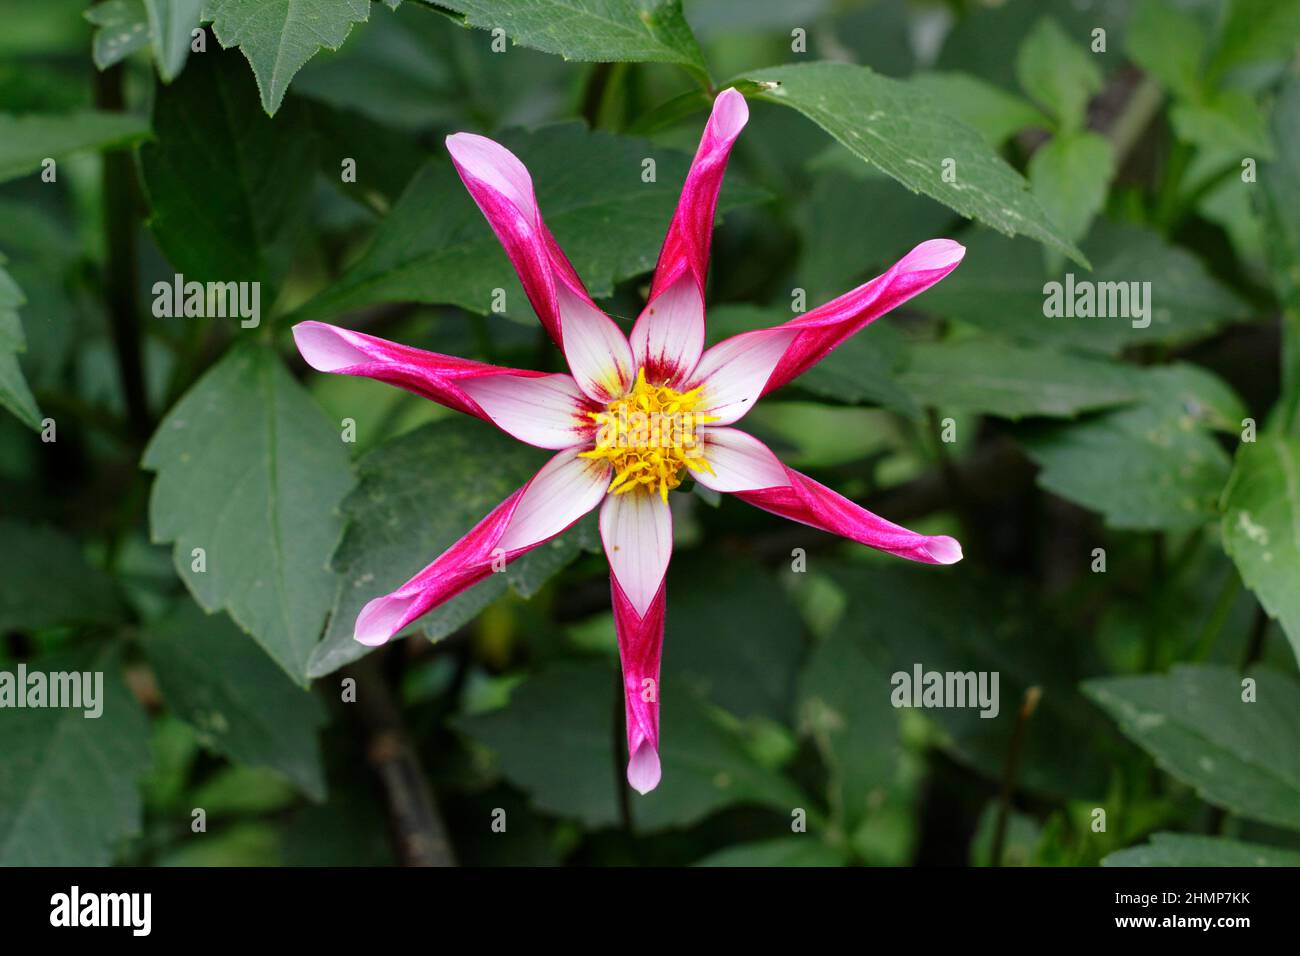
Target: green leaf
<point>244,791</point>
<point>1279,184</point>
<point>1019,846</point>
<point>1153,465</point>
<point>240,703</point>
<point>905,132</point>
<point>27,141</point>
<point>995,113</point>
<point>1002,287</point>
<point>1261,526</point>
<point>1256,30</point>
<point>652,31</point>
<point>347,830</point>
<point>844,706</point>
<point>279,36</point>
<point>386,158</point>
<point>555,740</point>
<point>729,17</point>
<point>69,791</point>
<point>706,767</point>
<point>122,28</point>
<point>1169,43</point>
<point>241,844</point>
<point>416,496</point>
<point>1070,175</point>
<point>1239,755</point>
<point>415,71</point>
<point>608,222</point>
<point>1230,121</point>
<point>171,26</point>
<point>1058,73</point>
<point>1186,849</point>
<point>953,620</point>
<point>1014,381</point>
<point>748,662</point>
<point>15,395</point>
<point>257,176</point>
<point>854,229</point>
<point>529,574</point>
<point>46,582</point>
<point>801,850</point>
<point>250,470</point>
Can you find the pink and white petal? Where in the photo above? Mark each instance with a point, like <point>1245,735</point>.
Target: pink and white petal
<point>808,502</point>
<point>557,496</point>
<point>592,342</point>
<point>640,649</point>
<point>686,247</point>
<point>740,462</point>
<point>825,327</point>
<point>548,410</point>
<point>595,348</point>
<point>738,371</point>
<point>564,490</point>
<point>668,338</point>
<point>637,530</point>
<point>464,564</point>
<point>735,372</point>
<point>669,334</point>
<point>501,186</point>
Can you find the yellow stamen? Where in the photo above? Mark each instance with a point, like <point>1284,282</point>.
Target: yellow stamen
<point>649,436</point>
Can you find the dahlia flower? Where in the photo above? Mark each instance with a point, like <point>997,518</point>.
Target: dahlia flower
<point>635,415</point>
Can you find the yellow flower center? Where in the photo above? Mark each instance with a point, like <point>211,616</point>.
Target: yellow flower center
<point>649,435</point>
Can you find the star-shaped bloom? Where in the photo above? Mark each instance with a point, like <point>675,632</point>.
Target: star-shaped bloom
<point>634,417</point>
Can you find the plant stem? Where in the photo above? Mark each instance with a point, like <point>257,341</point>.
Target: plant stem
<point>593,94</point>
<point>121,219</point>
<point>419,836</point>
<point>1258,631</point>
<point>1137,114</point>
<point>1289,403</point>
<point>1218,615</point>
<point>1011,771</point>
<point>1166,205</point>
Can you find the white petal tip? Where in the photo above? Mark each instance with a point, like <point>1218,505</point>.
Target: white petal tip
<point>943,550</point>
<point>643,770</point>
<point>380,620</point>
<point>486,161</point>
<point>934,254</point>
<point>730,113</point>
<point>324,348</point>
<point>464,141</point>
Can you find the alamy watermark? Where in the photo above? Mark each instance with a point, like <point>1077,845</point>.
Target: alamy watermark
<point>1085,299</point>
<point>220,300</point>
<point>130,910</point>
<point>944,689</point>
<point>75,690</point>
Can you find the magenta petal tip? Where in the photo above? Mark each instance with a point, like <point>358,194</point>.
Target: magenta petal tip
<point>643,770</point>
<point>943,549</point>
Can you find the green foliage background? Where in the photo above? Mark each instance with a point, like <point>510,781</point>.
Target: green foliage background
<point>1169,154</point>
